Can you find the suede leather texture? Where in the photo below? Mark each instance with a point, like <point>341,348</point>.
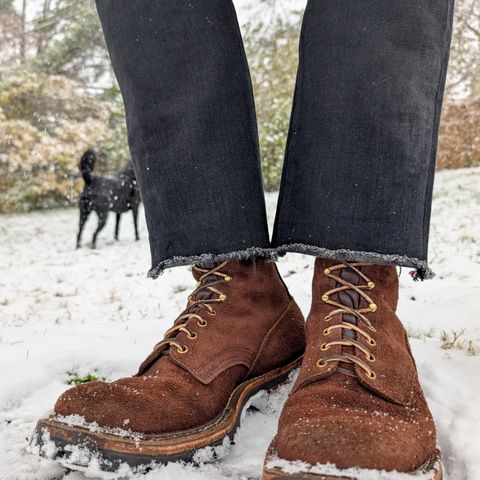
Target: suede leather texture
<point>258,328</point>
<point>349,419</point>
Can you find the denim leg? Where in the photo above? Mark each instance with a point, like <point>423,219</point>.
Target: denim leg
<point>360,160</point>
<point>192,130</point>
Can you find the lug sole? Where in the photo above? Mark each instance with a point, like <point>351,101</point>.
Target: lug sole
<point>140,450</point>
<point>432,466</point>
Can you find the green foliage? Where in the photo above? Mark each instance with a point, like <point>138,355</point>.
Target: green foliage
<point>53,104</point>
<point>6,6</point>
<point>75,379</point>
<point>46,122</point>
<point>272,52</point>
<point>45,101</point>
<point>58,97</point>
<point>73,47</point>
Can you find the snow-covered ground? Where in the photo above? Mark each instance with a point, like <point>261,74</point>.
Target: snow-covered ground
<point>93,311</point>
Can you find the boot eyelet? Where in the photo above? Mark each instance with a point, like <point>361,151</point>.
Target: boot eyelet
<point>183,350</point>
<point>228,278</point>
<point>371,374</point>
<point>222,297</point>
<point>372,342</point>
<point>327,271</point>
<point>325,298</point>
<point>202,323</point>
<point>327,331</point>
<point>371,358</point>
<point>192,335</point>
<point>373,307</point>
<point>324,347</point>
<point>371,285</point>
<point>321,363</point>
<point>212,313</point>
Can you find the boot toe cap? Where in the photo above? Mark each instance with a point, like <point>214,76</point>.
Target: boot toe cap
<point>79,400</point>
<point>121,404</point>
<point>148,405</point>
<point>352,438</point>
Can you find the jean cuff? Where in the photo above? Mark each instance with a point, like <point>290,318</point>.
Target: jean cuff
<point>422,270</point>
<point>269,254</point>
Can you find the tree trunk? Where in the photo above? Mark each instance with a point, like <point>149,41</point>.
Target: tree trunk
<point>23,38</point>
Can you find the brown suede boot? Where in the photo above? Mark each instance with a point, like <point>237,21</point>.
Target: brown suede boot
<point>357,403</point>
<point>241,332</point>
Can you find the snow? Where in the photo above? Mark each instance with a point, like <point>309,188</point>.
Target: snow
<point>301,467</point>
<point>65,310</point>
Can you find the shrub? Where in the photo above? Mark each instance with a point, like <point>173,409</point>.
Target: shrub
<point>46,122</point>
<point>459,144</point>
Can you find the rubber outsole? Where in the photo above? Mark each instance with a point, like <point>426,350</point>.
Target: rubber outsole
<point>140,450</point>
<point>433,465</point>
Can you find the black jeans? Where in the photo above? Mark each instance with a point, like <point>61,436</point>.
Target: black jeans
<point>360,160</point>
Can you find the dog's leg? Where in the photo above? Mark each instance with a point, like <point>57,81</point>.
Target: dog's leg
<point>102,220</point>
<point>117,226</point>
<point>83,218</point>
<point>135,222</point>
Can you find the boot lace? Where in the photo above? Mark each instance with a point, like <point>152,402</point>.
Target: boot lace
<point>358,313</point>
<point>201,299</point>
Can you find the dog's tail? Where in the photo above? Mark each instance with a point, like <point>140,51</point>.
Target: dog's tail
<point>87,164</point>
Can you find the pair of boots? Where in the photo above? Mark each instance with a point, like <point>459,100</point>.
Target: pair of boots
<point>356,404</point>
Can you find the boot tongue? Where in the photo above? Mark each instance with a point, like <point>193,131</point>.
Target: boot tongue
<point>203,294</point>
<point>349,298</point>
<point>205,266</point>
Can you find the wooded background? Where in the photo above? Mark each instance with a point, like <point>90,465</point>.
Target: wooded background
<point>58,96</point>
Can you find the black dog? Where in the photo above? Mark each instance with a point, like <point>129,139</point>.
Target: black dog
<point>118,193</point>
